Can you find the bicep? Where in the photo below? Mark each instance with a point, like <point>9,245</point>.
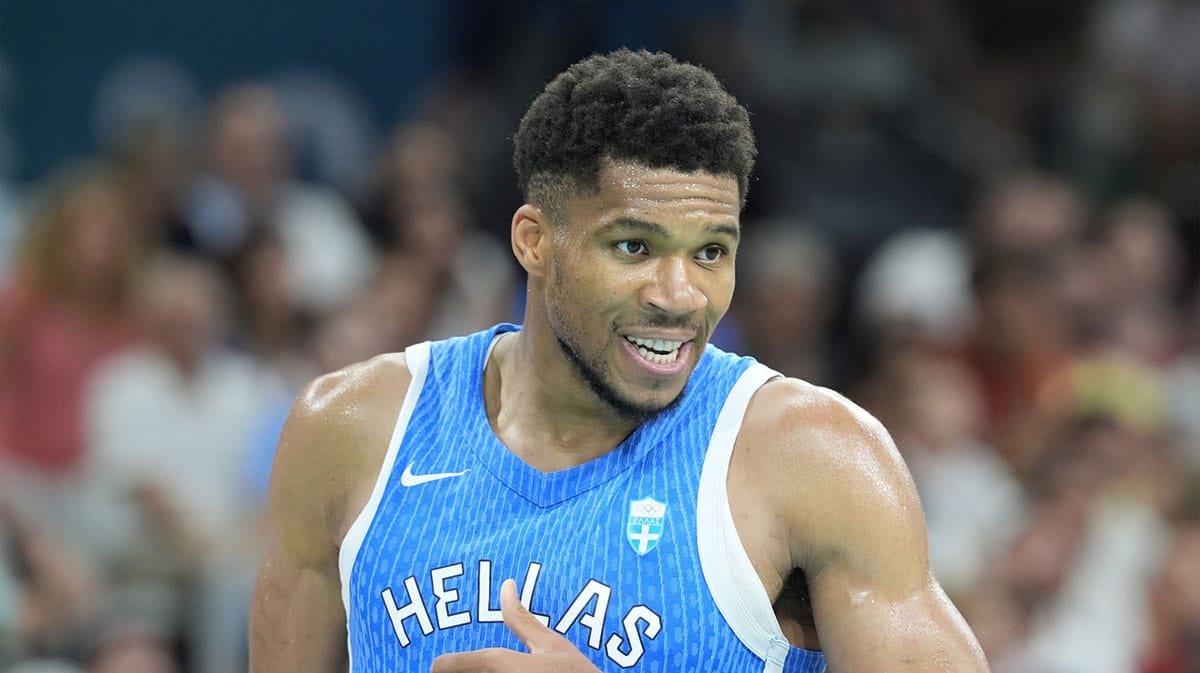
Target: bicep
<point>297,621</point>
<point>330,448</point>
<point>875,601</point>
<point>859,534</point>
<point>297,618</point>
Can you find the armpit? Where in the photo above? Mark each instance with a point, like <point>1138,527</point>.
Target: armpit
<point>793,608</point>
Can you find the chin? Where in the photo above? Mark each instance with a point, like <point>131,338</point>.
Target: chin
<point>629,402</point>
<point>646,409</point>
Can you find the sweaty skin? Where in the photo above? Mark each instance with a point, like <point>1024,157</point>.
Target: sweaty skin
<point>818,491</point>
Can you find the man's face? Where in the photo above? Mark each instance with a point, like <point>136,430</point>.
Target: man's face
<point>639,276</point>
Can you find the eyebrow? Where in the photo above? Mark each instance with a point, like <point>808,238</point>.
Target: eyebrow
<point>656,229</point>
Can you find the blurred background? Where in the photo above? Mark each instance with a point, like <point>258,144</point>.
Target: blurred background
<point>979,219</point>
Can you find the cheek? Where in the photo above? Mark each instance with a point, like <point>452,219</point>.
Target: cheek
<point>579,306</point>
<point>722,296</point>
<point>573,300</point>
<point>579,285</point>
<point>719,293</point>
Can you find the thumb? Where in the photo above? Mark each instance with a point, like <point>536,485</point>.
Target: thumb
<point>524,625</point>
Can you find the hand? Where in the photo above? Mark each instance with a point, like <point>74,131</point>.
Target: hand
<point>548,652</point>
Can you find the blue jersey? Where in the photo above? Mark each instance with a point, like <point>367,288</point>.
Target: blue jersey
<point>632,556</point>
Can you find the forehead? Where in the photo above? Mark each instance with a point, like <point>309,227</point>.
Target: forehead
<point>661,195</point>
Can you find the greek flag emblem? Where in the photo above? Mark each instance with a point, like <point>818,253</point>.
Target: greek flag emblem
<point>645,525</point>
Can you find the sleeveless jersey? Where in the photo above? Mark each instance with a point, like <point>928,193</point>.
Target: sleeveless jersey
<point>632,556</point>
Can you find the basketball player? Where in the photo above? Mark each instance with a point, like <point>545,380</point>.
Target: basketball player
<point>660,504</point>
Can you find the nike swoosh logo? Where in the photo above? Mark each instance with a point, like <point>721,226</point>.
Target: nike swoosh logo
<point>407,478</point>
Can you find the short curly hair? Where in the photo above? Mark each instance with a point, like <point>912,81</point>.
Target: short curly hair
<point>638,106</point>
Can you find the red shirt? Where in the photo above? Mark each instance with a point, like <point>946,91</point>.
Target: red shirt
<point>47,356</point>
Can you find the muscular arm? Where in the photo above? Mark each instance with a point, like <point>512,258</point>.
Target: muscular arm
<point>328,455</point>
<point>855,527</point>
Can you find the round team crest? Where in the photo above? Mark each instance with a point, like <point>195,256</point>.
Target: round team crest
<point>644,527</point>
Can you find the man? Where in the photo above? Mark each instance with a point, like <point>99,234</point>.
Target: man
<point>252,182</point>
<point>662,505</point>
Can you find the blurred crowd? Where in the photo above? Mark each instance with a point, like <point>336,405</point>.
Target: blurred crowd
<point>978,220</point>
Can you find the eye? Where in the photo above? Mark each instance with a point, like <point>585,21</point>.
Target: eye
<point>711,253</point>
<point>632,248</point>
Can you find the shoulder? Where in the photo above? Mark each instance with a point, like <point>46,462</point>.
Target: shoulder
<point>352,389</point>
<point>831,471</point>
<point>338,416</point>
<point>332,446</point>
<point>800,421</point>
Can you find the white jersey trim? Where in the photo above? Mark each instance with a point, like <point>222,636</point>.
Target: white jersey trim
<point>416,357</point>
<point>735,586</point>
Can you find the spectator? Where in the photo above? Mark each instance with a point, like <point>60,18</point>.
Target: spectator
<point>785,300</point>
<point>973,502</point>
<point>1174,642</point>
<point>250,183</point>
<point>63,314</point>
<point>271,325</point>
<point>46,591</point>
<point>916,286</point>
<point>1145,269</point>
<point>170,425</point>
<point>422,222</point>
<point>156,157</point>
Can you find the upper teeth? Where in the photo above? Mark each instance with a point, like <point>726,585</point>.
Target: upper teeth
<point>660,345</point>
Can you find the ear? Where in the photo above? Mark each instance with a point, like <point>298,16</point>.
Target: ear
<point>531,238</point>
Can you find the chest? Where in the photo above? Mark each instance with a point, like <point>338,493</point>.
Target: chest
<point>609,560</point>
<point>608,553</point>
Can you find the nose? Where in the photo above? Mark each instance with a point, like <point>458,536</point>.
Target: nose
<point>673,288</point>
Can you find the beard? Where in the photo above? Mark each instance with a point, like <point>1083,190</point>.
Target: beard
<point>596,376</point>
<point>594,371</point>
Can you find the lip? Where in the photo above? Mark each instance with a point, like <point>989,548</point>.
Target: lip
<point>660,370</point>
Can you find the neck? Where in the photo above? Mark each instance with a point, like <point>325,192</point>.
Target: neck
<point>541,410</point>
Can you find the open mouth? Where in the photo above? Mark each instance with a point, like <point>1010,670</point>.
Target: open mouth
<point>657,351</point>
